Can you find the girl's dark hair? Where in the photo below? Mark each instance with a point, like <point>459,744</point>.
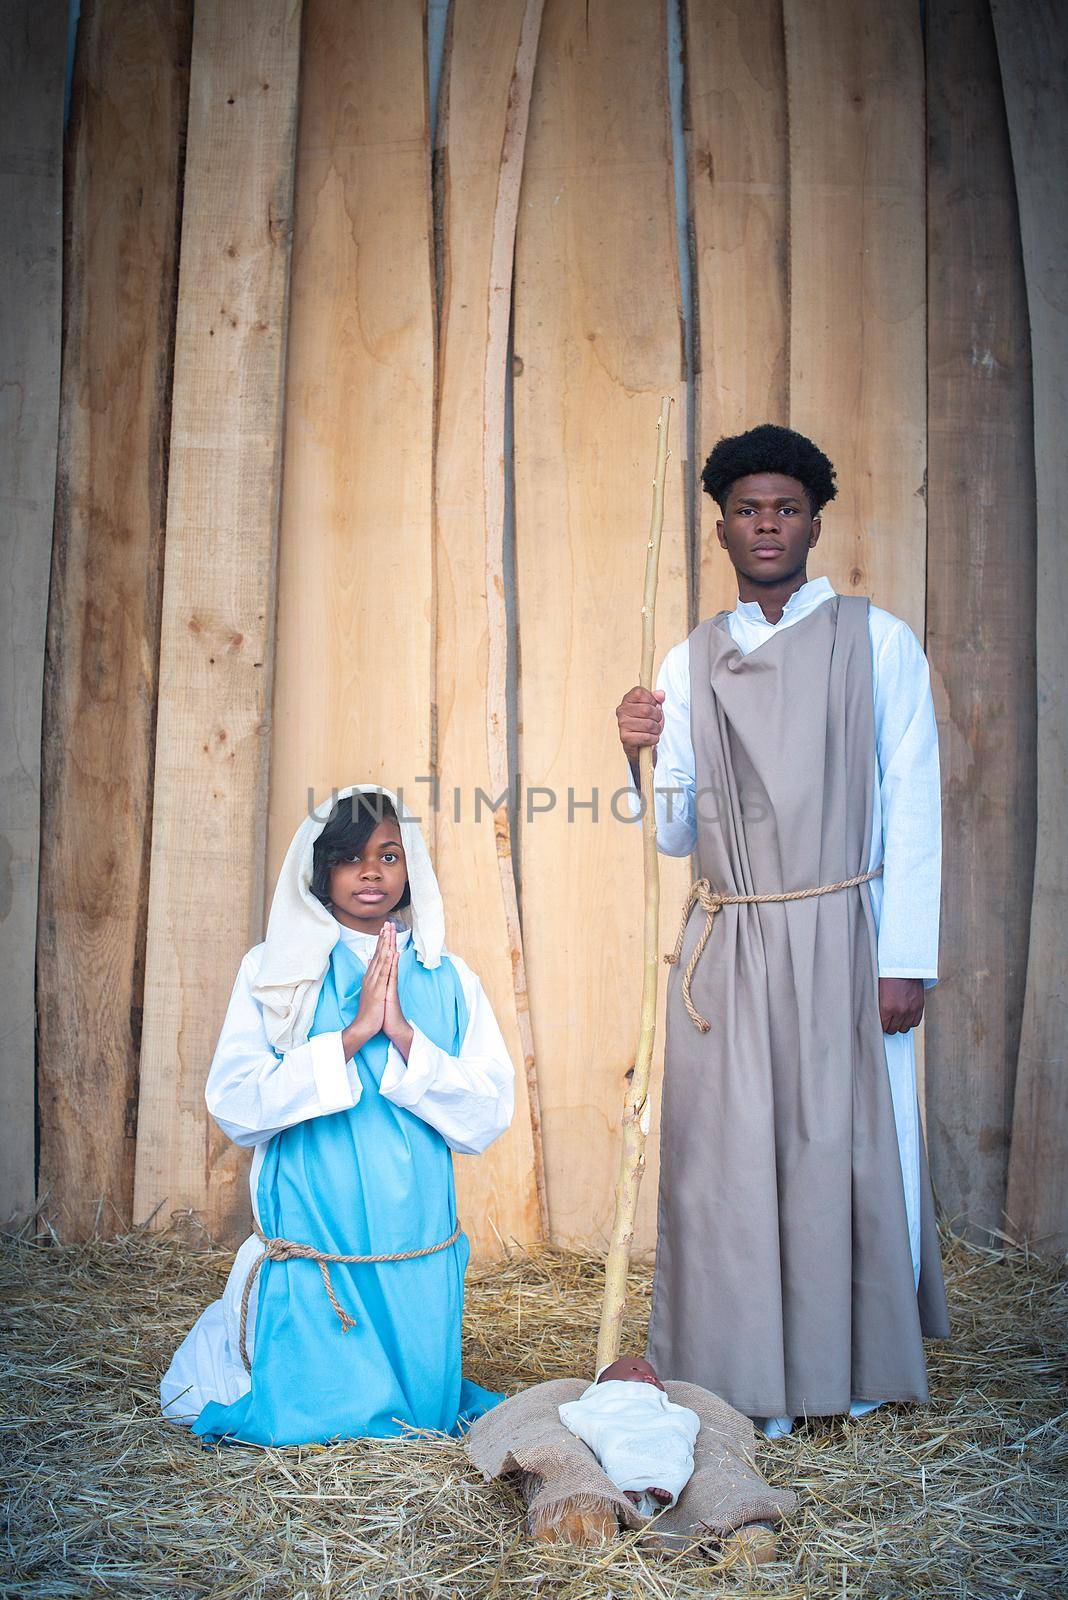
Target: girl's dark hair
<point>355,819</point>
<point>770,449</point>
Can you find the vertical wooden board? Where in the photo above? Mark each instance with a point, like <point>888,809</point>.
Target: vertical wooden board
<point>33,52</point>
<point>127,123</point>
<point>980,609</point>
<point>353,680</point>
<point>481,136</point>
<point>596,343</point>
<point>736,149</point>
<point>857,326</point>
<point>1032,39</point>
<point>206,870</point>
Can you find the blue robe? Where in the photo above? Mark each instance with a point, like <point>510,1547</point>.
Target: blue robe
<point>368,1181</point>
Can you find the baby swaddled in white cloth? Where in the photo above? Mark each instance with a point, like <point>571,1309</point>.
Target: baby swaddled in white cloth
<point>642,1439</point>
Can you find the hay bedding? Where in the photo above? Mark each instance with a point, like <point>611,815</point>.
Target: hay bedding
<point>963,1499</point>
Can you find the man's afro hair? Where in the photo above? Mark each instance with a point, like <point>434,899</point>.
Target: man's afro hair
<point>770,449</point>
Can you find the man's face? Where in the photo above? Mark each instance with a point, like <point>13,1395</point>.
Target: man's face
<point>767,527</point>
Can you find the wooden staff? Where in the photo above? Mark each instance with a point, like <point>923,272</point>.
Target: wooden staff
<point>636,1104</point>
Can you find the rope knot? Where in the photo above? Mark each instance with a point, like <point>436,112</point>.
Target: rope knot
<point>712,900</point>
<point>278,1249</point>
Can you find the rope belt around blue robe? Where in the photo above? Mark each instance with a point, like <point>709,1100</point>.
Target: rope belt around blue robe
<point>710,901</point>
<point>290,1250</point>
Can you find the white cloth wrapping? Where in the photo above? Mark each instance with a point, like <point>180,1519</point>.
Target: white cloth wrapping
<point>301,931</point>
<point>258,1085</point>
<point>641,1438</point>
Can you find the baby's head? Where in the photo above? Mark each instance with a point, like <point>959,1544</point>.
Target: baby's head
<point>630,1369</point>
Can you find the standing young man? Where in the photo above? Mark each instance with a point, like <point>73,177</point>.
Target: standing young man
<point>794,738</point>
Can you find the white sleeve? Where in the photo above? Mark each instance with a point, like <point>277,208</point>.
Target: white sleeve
<point>468,1098</point>
<point>253,1092</point>
<point>675,773</point>
<point>906,738</point>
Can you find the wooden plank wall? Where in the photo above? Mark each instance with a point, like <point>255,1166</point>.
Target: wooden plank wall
<point>596,342</point>
<point>857,284</point>
<point>737,167</point>
<point>122,187</point>
<point>481,136</point>
<point>353,679</point>
<point>1032,38</point>
<point>33,52</point>
<point>855,91</point>
<point>206,873</point>
<point>812,234</point>
<point>980,610</point>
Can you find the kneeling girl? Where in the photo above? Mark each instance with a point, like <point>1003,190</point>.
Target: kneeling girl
<point>356,1054</point>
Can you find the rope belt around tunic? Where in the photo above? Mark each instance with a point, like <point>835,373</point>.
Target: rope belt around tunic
<point>289,1250</point>
<point>710,901</point>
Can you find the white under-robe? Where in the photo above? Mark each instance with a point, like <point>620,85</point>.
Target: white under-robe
<point>906,825</point>
<point>253,1092</point>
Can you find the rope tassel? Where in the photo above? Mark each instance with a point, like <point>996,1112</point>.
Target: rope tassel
<point>712,900</point>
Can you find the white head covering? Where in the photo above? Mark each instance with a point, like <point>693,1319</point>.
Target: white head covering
<point>301,931</point>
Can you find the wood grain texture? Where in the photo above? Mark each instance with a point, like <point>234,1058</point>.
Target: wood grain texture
<point>481,137</point>
<point>857,326</point>
<point>737,159</point>
<point>980,611</point>
<point>33,53</point>
<point>1032,40</point>
<point>206,875</point>
<point>127,125</point>
<point>353,679</point>
<point>596,343</point>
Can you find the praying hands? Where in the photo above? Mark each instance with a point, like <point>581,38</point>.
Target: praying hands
<point>380,1009</point>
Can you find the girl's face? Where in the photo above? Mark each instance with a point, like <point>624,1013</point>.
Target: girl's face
<point>365,888</point>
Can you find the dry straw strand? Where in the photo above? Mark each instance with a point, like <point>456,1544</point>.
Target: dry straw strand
<point>960,1500</point>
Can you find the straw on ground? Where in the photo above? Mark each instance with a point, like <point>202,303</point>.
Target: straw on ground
<point>961,1499</point>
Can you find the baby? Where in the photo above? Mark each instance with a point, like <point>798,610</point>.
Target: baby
<point>643,1440</point>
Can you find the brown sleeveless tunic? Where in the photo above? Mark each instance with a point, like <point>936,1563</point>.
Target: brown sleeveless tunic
<point>784,1280</point>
